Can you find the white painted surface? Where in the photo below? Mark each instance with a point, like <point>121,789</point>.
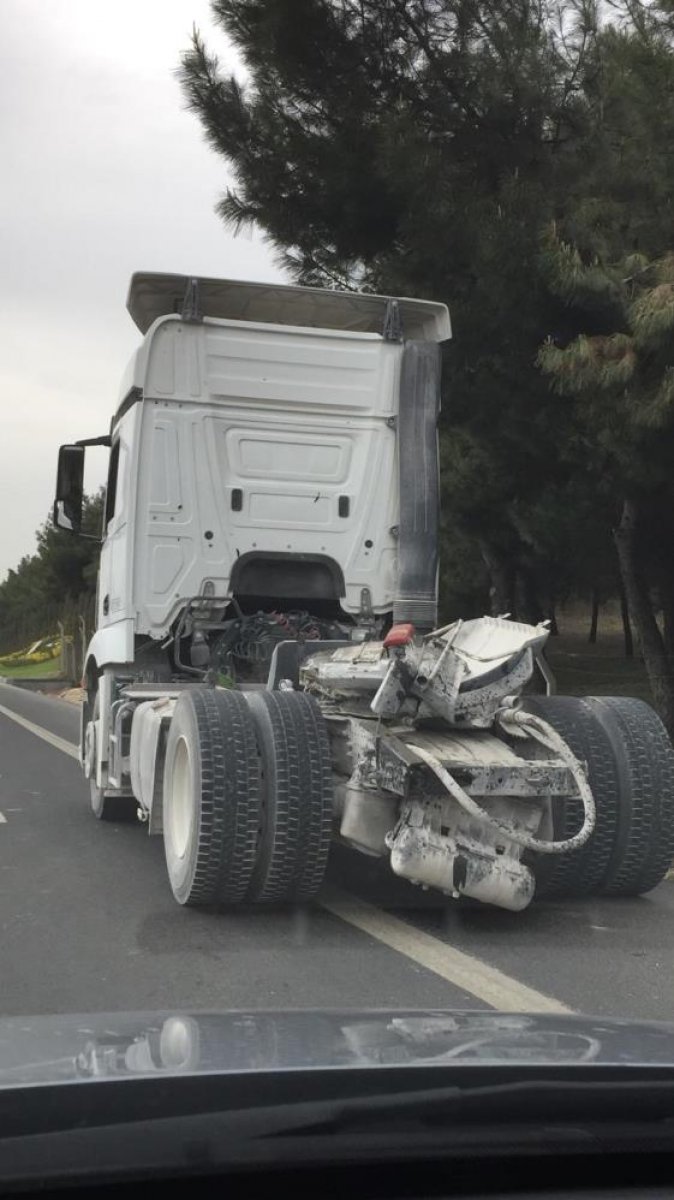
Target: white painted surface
<point>112,644</point>
<point>115,581</point>
<point>145,731</point>
<point>294,419</point>
<point>153,294</point>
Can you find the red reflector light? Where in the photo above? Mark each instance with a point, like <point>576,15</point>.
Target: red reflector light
<point>399,635</point>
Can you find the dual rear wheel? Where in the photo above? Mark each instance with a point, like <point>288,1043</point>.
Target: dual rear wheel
<point>630,765</point>
<point>247,806</point>
<point>247,803</point>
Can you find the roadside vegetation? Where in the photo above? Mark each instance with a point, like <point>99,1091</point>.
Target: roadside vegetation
<point>513,160</point>
<point>49,594</point>
<point>45,670</point>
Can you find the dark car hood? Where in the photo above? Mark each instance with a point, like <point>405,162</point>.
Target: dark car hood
<point>68,1048</point>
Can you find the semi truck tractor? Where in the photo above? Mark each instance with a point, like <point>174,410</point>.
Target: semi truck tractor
<point>268,672</point>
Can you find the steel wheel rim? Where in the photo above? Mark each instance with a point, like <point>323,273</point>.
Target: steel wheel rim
<point>181,810</point>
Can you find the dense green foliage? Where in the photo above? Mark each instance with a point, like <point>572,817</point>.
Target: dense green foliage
<point>514,160</point>
<point>48,584</point>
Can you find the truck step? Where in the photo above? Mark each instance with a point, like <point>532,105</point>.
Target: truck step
<point>154,691</point>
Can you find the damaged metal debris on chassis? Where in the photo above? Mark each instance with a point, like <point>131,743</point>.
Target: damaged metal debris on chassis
<point>267,672</point>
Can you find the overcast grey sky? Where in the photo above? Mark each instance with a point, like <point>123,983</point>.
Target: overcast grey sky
<point>103,173</point>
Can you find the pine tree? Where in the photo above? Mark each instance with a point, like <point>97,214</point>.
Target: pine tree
<point>413,147</point>
<point>513,160</point>
<point>622,382</point>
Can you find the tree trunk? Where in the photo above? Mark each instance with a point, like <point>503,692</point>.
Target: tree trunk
<point>627,627</point>
<point>502,576</point>
<point>594,619</point>
<point>639,603</point>
<point>667,591</point>
<point>527,604</point>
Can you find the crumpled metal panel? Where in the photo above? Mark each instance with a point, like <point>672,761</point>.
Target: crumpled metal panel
<point>437,844</point>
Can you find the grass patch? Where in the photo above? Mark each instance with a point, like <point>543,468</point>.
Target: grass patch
<point>44,670</point>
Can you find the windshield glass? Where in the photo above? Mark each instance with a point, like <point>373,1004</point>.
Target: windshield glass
<point>336,575</point>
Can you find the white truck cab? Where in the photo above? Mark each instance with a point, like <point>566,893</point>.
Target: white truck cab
<point>267,669</point>
<point>254,451</point>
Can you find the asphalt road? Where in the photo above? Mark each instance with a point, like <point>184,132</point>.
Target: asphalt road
<point>88,922</point>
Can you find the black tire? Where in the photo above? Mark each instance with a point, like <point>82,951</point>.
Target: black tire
<point>107,807</point>
<point>211,802</point>
<point>297,797</point>
<point>644,845</point>
<point>582,872</point>
<point>104,805</point>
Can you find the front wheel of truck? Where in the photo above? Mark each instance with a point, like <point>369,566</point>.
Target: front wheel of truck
<point>104,806</point>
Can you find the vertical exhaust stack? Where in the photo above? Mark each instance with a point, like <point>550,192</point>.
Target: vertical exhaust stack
<point>417,598</point>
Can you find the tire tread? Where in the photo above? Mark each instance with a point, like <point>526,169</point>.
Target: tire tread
<point>228,817</point>
<point>583,872</point>
<point>645,843</point>
<point>292,732</point>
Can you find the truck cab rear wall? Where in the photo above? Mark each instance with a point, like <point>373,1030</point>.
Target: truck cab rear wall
<point>248,440</point>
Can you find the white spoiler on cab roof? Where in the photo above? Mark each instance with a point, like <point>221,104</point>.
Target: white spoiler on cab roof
<point>154,295</point>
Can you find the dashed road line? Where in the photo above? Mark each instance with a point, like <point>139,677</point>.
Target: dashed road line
<point>52,738</point>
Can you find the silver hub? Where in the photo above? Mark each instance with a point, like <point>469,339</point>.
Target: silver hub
<point>90,750</point>
<point>181,808</point>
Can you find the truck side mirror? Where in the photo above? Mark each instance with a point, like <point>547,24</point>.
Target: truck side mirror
<point>69,489</point>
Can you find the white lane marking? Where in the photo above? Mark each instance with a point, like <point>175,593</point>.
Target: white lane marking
<point>465,971</point>
<point>494,987</point>
<point>52,738</point>
<point>3,819</point>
